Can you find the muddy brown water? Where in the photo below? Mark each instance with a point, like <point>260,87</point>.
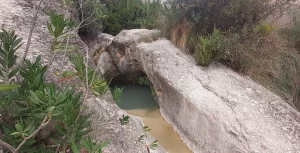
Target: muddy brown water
<point>137,100</point>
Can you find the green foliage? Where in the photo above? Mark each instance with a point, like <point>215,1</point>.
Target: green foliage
<point>99,86</point>
<point>117,93</point>
<point>32,75</point>
<point>92,147</point>
<point>91,14</point>
<point>35,100</point>
<point>9,43</point>
<point>40,113</point>
<point>67,74</point>
<point>4,87</point>
<point>124,120</point>
<point>146,129</point>
<point>58,24</point>
<point>225,15</point>
<point>142,139</point>
<point>130,14</point>
<point>263,30</point>
<point>58,29</point>
<point>209,48</point>
<point>154,144</point>
<point>144,81</point>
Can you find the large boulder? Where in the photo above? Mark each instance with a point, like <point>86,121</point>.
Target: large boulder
<point>122,52</point>
<point>213,109</point>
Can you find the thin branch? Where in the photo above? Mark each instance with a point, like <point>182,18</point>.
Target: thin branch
<point>13,150</point>
<point>65,53</point>
<point>57,149</point>
<point>44,123</point>
<point>35,16</point>
<point>8,146</point>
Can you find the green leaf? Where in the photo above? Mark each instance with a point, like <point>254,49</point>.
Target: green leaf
<point>19,127</point>
<point>15,133</point>
<point>75,148</point>
<point>29,127</point>
<point>104,144</point>
<point>13,73</point>
<point>50,109</point>
<point>5,87</point>
<point>155,141</point>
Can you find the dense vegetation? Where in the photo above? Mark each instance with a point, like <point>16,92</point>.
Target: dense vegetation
<point>39,116</point>
<point>116,15</point>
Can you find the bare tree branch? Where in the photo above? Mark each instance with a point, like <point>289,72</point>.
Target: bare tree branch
<point>37,9</point>
<point>8,146</point>
<point>44,123</point>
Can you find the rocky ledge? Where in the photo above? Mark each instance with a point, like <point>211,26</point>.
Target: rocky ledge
<point>214,109</point>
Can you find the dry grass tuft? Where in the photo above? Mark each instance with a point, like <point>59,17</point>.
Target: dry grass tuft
<point>179,35</point>
<point>276,65</point>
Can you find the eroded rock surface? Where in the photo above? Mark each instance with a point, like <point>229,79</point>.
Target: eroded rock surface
<point>16,15</point>
<point>214,109</point>
<point>106,126</point>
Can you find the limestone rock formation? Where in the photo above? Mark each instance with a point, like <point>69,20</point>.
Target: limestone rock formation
<point>124,44</point>
<point>106,126</point>
<point>214,109</point>
<point>16,15</point>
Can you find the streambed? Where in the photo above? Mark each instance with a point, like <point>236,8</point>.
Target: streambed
<point>137,100</point>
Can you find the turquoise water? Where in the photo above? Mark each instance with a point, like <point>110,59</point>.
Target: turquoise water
<point>138,100</point>
<point>136,96</point>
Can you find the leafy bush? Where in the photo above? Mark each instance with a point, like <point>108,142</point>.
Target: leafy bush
<point>144,81</point>
<point>9,43</point>
<point>130,14</point>
<point>263,30</point>
<point>39,114</point>
<point>90,14</point>
<point>124,120</point>
<point>222,14</point>
<point>57,28</point>
<point>192,18</point>
<point>269,60</point>
<point>117,93</point>
<point>99,86</point>
<point>209,48</point>
<point>142,139</point>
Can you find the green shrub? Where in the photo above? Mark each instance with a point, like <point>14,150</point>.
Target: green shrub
<point>117,93</point>
<point>209,48</point>
<point>35,104</point>
<point>36,114</point>
<point>124,120</point>
<point>130,14</point>
<point>99,86</point>
<point>57,28</point>
<point>263,30</point>
<point>9,43</point>
<point>222,14</point>
<point>90,15</point>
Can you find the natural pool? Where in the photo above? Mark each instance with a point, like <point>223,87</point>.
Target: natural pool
<point>137,100</point>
